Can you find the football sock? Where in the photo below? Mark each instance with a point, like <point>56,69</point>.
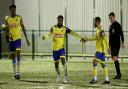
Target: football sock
<point>105,71</point>
<point>18,64</point>
<point>14,61</point>
<point>117,65</point>
<point>95,72</point>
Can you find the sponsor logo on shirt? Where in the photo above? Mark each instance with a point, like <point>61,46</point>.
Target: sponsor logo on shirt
<point>13,25</point>
<point>58,35</point>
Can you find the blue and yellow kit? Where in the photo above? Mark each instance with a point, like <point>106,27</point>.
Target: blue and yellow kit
<point>101,43</point>
<point>14,32</point>
<point>58,36</point>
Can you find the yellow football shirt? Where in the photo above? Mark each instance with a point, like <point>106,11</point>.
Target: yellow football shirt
<point>14,27</point>
<point>58,37</point>
<point>101,40</point>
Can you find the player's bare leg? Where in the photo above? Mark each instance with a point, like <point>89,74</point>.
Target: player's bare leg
<point>57,71</point>
<point>18,63</point>
<point>106,73</point>
<point>14,62</point>
<point>13,57</point>
<point>94,80</point>
<point>65,69</point>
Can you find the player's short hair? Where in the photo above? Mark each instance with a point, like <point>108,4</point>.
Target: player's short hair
<point>12,6</point>
<point>60,16</point>
<point>112,14</point>
<point>97,19</point>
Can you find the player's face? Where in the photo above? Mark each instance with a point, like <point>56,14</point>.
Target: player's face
<point>60,22</point>
<point>96,23</point>
<point>13,11</point>
<point>112,18</point>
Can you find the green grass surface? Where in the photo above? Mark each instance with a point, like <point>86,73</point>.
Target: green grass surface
<point>40,74</point>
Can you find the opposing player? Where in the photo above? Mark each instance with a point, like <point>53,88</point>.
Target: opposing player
<point>14,23</point>
<point>58,33</point>
<point>101,47</point>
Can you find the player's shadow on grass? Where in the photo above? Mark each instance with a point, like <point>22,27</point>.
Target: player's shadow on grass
<point>34,81</point>
<point>124,80</point>
<point>84,86</point>
<point>3,83</point>
<point>121,85</point>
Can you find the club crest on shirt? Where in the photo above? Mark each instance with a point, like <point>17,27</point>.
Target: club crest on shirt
<point>113,30</point>
<point>16,19</point>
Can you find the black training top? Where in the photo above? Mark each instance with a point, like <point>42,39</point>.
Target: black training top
<point>115,34</point>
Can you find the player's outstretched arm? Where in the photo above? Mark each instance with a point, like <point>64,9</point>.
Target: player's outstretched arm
<point>91,38</point>
<point>76,35</point>
<point>47,36</point>
<point>24,31</point>
<point>84,39</point>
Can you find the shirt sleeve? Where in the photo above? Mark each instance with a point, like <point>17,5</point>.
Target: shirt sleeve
<point>68,30</point>
<point>121,34</point>
<point>21,21</point>
<point>71,32</point>
<point>93,38</point>
<point>109,41</point>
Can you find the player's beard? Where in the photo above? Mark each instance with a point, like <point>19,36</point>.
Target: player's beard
<point>60,25</point>
<point>95,25</point>
<point>13,14</point>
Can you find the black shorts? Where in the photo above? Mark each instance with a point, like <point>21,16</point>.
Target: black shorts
<point>115,51</point>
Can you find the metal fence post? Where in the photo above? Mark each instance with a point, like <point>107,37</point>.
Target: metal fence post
<point>33,45</point>
<point>0,45</point>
